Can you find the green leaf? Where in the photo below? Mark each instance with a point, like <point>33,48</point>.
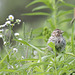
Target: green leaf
<point>24,42</point>
<point>25,66</point>
<point>39,37</point>
<point>36,48</point>
<point>42,73</point>
<point>41,63</point>
<point>5,57</point>
<point>33,2</point>
<point>70,54</point>
<point>39,8</point>
<point>46,2</point>
<point>36,13</point>
<point>64,13</point>
<point>66,20</point>
<point>37,1</point>
<point>52,45</point>
<point>27,60</point>
<point>37,69</point>
<point>32,64</point>
<point>67,4</point>
<point>7,70</point>
<point>52,26</point>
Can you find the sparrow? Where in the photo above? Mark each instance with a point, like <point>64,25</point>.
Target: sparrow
<point>58,39</point>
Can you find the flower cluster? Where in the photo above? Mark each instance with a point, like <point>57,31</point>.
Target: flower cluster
<point>7,35</point>
<point>10,21</point>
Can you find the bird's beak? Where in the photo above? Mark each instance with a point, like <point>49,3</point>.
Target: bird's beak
<point>62,31</point>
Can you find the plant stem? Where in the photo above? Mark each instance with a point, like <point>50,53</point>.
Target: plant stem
<point>55,61</point>
<point>72,36</point>
<point>23,30</point>
<point>54,13</point>
<point>24,38</point>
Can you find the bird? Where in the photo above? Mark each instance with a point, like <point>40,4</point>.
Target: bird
<point>58,39</point>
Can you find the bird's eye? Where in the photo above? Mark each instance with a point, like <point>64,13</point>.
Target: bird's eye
<point>57,31</point>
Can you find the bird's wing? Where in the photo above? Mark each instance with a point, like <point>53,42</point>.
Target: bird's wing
<point>51,39</point>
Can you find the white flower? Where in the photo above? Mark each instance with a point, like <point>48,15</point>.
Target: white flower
<point>19,39</point>
<point>1,36</point>
<point>18,21</point>
<point>1,30</point>
<point>16,65</point>
<point>10,67</point>
<point>22,57</point>
<point>1,26</point>
<point>16,34</point>
<point>4,42</point>
<point>15,50</point>
<point>7,23</point>
<point>35,52</point>
<point>11,17</point>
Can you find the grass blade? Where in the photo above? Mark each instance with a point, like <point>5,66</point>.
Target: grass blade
<point>39,8</point>
<point>24,42</point>
<point>36,13</point>
<point>5,56</point>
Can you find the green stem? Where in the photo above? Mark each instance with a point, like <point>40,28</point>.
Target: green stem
<point>54,13</point>
<point>24,39</point>
<point>72,38</point>
<point>23,30</point>
<point>55,73</point>
<point>55,18</point>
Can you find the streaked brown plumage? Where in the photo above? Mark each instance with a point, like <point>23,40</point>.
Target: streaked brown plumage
<point>57,38</point>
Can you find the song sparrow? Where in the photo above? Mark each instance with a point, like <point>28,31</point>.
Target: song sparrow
<point>58,39</point>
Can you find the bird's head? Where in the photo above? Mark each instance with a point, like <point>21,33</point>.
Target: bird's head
<point>57,32</point>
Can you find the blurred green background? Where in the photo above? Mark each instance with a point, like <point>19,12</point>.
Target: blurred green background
<point>18,7</point>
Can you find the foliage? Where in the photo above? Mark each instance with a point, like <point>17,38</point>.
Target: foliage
<point>25,58</point>
<point>57,18</point>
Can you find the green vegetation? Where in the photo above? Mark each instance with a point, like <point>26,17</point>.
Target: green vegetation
<point>23,57</point>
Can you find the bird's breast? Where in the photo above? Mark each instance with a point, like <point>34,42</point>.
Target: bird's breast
<point>59,41</point>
